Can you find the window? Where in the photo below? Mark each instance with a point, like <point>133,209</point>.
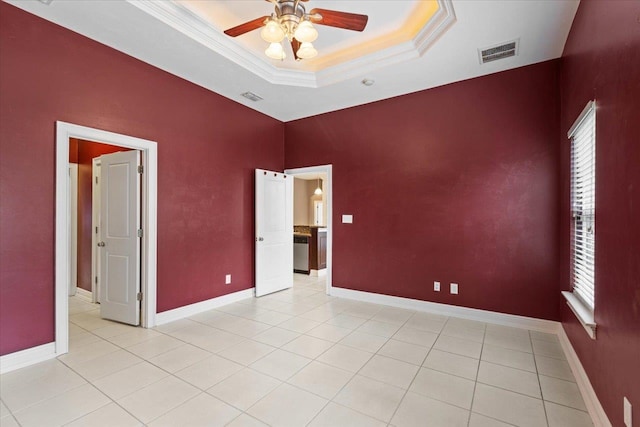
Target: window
<point>583,207</point>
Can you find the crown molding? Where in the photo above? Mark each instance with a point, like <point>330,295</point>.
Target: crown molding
<point>187,22</point>
<point>443,19</point>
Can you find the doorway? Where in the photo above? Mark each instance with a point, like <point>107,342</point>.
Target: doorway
<point>319,214</point>
<point>148,150</point>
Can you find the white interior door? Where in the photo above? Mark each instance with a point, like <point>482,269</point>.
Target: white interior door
<point>274,232</point>
<point>120,245</point>
<point>95,230</point>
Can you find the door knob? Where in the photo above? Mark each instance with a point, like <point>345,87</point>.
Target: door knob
<point>260,239</point>
<point>101,244</point>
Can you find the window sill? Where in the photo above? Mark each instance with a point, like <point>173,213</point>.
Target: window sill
<point>584,315</point>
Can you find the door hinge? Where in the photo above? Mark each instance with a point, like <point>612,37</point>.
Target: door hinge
<point>96,230</point>
<point>140,169</point>
<point>96,179</point>
<point>140,232</point>
<point>96,280</point>
<point>139,296</point>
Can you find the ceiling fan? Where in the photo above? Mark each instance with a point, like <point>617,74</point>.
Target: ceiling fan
<point>291,20</point>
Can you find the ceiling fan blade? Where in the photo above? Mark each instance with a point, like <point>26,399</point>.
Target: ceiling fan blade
<point>333,18</point>
<point>295,45</point>
<point>246,27</point>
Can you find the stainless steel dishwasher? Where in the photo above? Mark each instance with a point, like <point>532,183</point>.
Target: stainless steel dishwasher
<point>301,254</point>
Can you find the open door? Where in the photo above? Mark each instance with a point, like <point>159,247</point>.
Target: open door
<point>274,232</point>
<point>120,242</point>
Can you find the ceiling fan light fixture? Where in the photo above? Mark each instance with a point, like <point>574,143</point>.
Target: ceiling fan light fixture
<point>307,51</point>
<point>275,51</point>
<point>290,20</point>
<point>272,32</point>
<point>305,32</point>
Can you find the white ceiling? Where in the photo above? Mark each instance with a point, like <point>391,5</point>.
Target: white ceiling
<point>185,38</point>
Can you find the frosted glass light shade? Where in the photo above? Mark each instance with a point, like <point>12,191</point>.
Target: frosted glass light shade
<point>275,51</point>
<point>272,32</point>
<point>305,32</point>
<point>318,191</point>
<point>306,51</point>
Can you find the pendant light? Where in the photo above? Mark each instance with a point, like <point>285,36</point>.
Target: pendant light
<point>318,191</point>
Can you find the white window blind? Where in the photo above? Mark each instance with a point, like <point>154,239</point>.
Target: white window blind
<point>583,204</point>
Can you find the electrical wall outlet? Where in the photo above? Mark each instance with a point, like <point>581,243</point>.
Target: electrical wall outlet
<point>627,412</point>
<point>347,219</point>
<point>453,288</point>
<point>436,286</point>
<point>227,279</point>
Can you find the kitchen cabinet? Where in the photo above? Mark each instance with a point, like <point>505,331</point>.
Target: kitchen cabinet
<point>318,248</point>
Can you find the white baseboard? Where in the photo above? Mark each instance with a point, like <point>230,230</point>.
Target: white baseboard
<point>450,310</point>
<point>202,306</point>
<point>598,416</point>
<point>84,294</point>
<point>20,359</point>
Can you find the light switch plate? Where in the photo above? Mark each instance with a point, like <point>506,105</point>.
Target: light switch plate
<point>627,413</point>
<point>436,286</point>
<point>227,279</point>
<point>347,219</point>
<point>454,288</point>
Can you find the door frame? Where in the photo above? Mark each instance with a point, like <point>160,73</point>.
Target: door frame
<point>328,188</point>
<point>149,151</point>
<point>73,228</point>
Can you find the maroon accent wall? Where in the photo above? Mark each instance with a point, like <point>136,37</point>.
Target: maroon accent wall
<point>208,147</point>
<point>601,61</point>
<point>87,151</point>
<point>456,184</point>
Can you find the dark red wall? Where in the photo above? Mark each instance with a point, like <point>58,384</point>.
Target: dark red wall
<point>73,150</point>
<point>601,61</point>
<point>456,184</point>
<point>87,151</point>
<point>208,147</point>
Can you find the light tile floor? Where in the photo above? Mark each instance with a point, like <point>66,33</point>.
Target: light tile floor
<point>297,358</point>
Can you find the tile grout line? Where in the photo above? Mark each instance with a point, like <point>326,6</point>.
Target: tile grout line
<point>535,363</point>
<point>475,383</point>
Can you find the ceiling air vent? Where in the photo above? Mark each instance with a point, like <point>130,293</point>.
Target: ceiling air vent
<point>47,2</point>
<point>252,96</point>
<point>494,53</point>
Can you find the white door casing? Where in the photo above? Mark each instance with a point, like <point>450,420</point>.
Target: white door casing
<point>327,188</point>
<point>274,232</point>
<point>149,150</point>
<point>119,241</point>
